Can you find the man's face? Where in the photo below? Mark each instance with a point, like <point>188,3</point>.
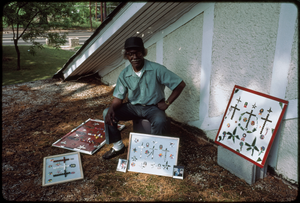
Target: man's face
<point>136,58</point>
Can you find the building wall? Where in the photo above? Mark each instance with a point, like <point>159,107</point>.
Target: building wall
<point>288,142</point>
<point>182,55</point>
<point>151,56</point>
<point>244,44</point>
<point>292,87</point>
<point>218,45</point>
<point>111,77</point>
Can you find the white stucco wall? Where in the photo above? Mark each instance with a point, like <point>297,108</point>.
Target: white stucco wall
<point>288,142</point>
<point>111,77</point>
<point>292,86</point>
<point>151,56</point>
<point>287,164</point>
<point>244,44</point>
<point>182,55</point>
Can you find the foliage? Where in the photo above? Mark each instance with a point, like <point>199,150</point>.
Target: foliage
<point>36,20</point>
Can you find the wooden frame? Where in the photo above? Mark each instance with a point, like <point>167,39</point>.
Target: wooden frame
<point>152,154</point>
<point>87,138</point>
<point>250,123</point>
<point>62,168</point>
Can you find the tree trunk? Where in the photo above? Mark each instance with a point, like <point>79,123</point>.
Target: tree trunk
<point>91,16</point>
<point>104,16</point>
<point>101,9</point>
<point>18,53</point>
<point>96,11</point>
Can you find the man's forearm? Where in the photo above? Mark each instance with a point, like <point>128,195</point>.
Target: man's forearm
<point>116,103</point>
<point>176,92</point>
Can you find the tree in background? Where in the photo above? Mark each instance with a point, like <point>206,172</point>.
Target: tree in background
<point>84,8</point>
<point>30,20</point>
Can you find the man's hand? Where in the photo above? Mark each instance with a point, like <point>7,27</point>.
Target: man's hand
<point>175,93</point>
<point>110,116</point>
<point>162,105</point>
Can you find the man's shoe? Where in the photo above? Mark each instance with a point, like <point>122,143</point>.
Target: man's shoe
<point>113,153</point>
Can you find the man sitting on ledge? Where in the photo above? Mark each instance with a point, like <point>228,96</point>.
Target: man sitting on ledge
<point>144,81</point>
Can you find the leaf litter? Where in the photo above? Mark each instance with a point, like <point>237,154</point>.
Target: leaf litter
<point>36,114</point>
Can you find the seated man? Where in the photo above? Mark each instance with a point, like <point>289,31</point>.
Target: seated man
<point>144,81</point>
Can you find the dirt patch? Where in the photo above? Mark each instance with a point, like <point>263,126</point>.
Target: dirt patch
<point>36,114</point>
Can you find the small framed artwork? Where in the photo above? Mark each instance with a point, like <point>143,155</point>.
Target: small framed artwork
<point>62,168</point>
<point>87,138</point>
<point>178,172</point>
<point>122,165</point>
<point>250,124</point>
<point>152,154</point>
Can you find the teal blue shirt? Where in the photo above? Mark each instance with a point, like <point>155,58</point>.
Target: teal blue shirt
<point>147,89</point>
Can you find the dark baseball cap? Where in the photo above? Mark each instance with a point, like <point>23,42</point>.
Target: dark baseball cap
<point>134,42</point>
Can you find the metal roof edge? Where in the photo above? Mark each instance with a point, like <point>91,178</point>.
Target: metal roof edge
<point>59,73</point>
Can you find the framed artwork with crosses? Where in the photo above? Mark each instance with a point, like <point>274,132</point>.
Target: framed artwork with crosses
<point>250,124</point>
<point>87,138</point>
<point>152,154</point>
<point>62,168</point>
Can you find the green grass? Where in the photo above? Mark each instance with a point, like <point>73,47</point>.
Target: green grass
<point>44,64</point>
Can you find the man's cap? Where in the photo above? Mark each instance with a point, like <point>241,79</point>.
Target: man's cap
<point>134,42</point>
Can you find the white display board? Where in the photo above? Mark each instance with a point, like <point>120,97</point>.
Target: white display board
<point>62,168</point>
<point>152,154</point>
<point>250,124</point>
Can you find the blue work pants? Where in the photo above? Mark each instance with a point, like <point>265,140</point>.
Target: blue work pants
<point>127,111</point>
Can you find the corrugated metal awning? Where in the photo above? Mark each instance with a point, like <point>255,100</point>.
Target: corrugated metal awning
<point>103,49</point>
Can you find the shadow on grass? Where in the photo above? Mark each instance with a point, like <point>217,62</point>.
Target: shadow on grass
<point>44,64</point>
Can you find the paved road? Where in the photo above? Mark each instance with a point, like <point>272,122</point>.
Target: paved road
<point>82,35</point>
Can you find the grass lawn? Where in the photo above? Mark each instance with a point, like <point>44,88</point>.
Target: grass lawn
<point>44,64</point>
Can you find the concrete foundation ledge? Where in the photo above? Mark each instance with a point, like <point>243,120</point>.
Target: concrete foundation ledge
<point>236,165</point>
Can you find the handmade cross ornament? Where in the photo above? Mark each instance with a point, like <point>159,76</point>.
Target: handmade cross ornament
<point>152,152</point>
<point>81,147</point>
<point>250,114</point>
<point>235,108</point>
<point>166,150</point>
<point>141,149</point>
<point>64,160</point>
<point>266,120</point>
<point>270,110</point>
<point>60,174</point>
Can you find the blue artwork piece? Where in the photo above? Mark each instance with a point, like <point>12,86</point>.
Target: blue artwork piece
<point>62,168</point>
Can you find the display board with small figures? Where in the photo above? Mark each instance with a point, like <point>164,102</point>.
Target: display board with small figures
<point>250,123</point>
<point>152,154</point>
<point>86,138</point>
<point>62,168</point>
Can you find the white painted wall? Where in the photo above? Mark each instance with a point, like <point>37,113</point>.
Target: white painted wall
<point>182,55</point>
<point>218,45</point>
